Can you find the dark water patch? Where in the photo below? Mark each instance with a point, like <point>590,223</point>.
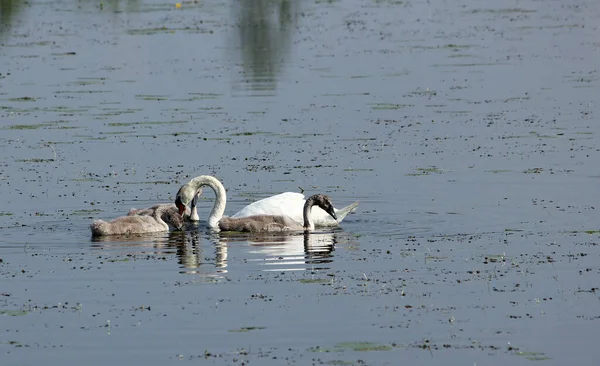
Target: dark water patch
<point>59,92</point>
<point>152,97</point>
<point>389,106</point>
<point>470,64</point>
<point>359,139</point>
<point>554,26</point>
<point>86,212</point>
<point>13,312</point>
<point>359,170</point>
<point>352,346</point>
<point>245,329</point>
<point>90,138</point>
<point>426,171</point>
<point>199,96</point>
<point>344,94</point>
<point>22,99</point>
<point>35,160</point>
<point>149,182</point>
<point>425,92</point>
<point>454,112</point>
<point>253,133</point>
<point>461,55</point>
<point>111,112</point>
<point>88,81</point>
<point>64,53</point>
<point>397,74</point>
<point>314,280</point>
<point>123,124</point>
<point>25,127</point>
<point>168,30</point>
<point>215,138</point>
<point>503,11</point>
<point>532,356</point>
<point>498,171</point>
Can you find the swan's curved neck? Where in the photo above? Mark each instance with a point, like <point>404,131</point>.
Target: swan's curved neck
<point>158,215</point>
<point>308,224</point>
<point>221,197</point>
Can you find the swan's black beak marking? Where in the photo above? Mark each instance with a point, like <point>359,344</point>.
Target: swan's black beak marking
<point>331,212</point>
<point>180,205</point>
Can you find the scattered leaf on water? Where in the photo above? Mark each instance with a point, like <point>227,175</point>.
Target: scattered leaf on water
<point>245,329</point>
<point>352,346</point>
<point>426,171</point>
<point>389,106</point>
<point>13,312</point>
<point>86,212</point>
<point>498,171</point>
<point>533,356</point>
<point>313,280</point>
<point>358,170</point>
<point>152,97</point>
<point>22,99</point>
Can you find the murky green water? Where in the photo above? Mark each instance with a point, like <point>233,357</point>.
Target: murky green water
<point>468,131</point>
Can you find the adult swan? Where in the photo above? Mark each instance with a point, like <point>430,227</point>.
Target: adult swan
<point>289,204</point>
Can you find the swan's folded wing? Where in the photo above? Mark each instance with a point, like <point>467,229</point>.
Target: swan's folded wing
<point>284,204</point>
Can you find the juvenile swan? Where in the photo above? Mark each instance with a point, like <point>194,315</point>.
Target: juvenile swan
<point>289,204</point>
<point>159,220</point>
<point>271,223</point>
<point>190,214</point>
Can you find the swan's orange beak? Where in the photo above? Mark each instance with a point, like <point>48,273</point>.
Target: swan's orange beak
<point>180,206</point>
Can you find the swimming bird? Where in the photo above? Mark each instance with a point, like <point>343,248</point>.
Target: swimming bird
<point>278,223</point>
<point>159,220</point>
<point>288,204</point>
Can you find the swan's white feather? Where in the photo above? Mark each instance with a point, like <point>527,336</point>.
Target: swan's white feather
<point>291,204</point>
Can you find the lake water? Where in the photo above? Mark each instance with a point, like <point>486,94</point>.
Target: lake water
<point>468,131</point>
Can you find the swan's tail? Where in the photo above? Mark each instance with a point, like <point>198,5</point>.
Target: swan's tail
<point>343,212</point>
<point>99,228</point>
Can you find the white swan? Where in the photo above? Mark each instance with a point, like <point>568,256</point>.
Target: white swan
<point>289,204</point>
<point>273,223</point>
<point>160,219</point>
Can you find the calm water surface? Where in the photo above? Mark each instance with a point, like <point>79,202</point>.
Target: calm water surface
<point>467,130</point>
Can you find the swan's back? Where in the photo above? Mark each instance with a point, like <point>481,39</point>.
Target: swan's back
<point>157,218</point>
<point>259,224</point>
<point>291,204</point>
<point>126,225</point>
<point>283,204</point>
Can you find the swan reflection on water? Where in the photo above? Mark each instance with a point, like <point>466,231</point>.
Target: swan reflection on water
<point>206,253</point>
<point>187,246</point>
<point>291,252</point>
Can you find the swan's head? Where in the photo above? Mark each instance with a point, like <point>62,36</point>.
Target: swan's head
<point>185,195</point>
<point>325,203</point>
<point>173,219</point>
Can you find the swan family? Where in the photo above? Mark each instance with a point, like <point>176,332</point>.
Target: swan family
<point>289,211</point>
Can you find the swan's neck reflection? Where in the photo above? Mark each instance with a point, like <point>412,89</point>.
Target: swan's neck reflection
<point>192,260</point>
